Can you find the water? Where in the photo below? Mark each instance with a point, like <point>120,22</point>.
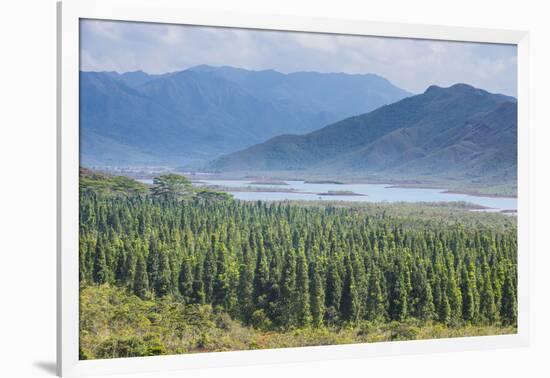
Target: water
<point>372,193</point>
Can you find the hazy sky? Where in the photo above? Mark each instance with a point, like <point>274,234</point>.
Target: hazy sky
<point>408,63</point>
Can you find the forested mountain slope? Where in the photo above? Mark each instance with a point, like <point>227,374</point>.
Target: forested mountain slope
<point>194,115</point>
<point>460,131</point>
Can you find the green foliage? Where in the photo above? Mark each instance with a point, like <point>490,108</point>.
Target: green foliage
<point>172,186</point>
<point>284,268</point>
<point>94,182</point>
<point>116,324</point>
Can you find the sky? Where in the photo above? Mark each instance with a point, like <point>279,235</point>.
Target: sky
<point>411,64</point>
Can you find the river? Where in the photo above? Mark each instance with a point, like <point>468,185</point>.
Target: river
<point>305,191</point>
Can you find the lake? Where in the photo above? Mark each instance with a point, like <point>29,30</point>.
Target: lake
<point>304,191</point>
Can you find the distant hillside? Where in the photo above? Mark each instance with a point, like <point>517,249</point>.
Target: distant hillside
<point>191,116</point>
<point>459,133</point>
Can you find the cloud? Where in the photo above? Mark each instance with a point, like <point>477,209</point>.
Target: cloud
<point>411,64</point>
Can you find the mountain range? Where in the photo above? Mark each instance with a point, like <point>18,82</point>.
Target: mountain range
<point>185,117</point>
<point>457,133</point>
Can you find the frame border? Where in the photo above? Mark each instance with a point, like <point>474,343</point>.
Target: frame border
<point>166,11</point>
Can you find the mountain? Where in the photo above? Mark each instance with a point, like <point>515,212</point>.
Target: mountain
<point>338,95</point>
<point>194,115</point>
<point>459,132</point>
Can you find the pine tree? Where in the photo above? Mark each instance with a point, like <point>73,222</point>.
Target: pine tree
<point>349,307</point>
<point>375,300</point>
<point>454,296</point>
<point>100,270</point>
<point>209,275</point>
<point>221,288</point>
<point>245,287</point>
<point>163,284</point>
<point>333,292</point>
<point>261,276</point>
<point>302,305</point>
<point>317,294</point>
<point>199,295</point>
<point>508,309</point>
<point>423,308</point>
<point>398,300</point>
<point>141,281</point>
<point>185,281</point>
<point>288,287</point>
<point>468,295</point>
<point>487,304</point>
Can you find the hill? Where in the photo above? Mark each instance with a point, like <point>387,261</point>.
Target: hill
<point>458,133</point>
<point>174,119</point>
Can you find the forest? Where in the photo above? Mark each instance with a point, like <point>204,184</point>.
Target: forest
<point>173,268</point>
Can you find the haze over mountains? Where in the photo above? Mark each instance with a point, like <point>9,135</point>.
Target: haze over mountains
<point>176,119</point>
<point>459,133</point>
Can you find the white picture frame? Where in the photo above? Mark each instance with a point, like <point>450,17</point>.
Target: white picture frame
<point>69,14</point>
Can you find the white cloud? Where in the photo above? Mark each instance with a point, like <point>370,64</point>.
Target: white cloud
<point>410,64</point>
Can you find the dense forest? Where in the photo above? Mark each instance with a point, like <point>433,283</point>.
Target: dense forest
<point>172,264</point>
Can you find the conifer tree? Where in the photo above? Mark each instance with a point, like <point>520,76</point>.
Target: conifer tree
<point>163,282</point>
<point>375,300</point>
<point>398,300</point>
<point>468,295</point>
<point>423,307</point>
<point>487,304</point>
<point>317,294</point>
<point>209,274</point>
<point>349,307</point>
<point>261,276</point>
<point>221,287</point>
<point>302,304</point>
<point>141,281</point>
<point>100,268</point>
<point>333,292</point>
<point>245,287</point>
<point>185,281</point>
<point>288,287</point>
<point>199,295</point>
<point>508,309</point>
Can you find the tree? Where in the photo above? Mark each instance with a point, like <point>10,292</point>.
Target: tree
<point>333,291</point>
<point>208,196</point>
<point>245,287</point>
<point>349,307</point>
<point>288,286</point>
<point>209,272</point>
<point>317,296</point>
<point>163,284</point>
<point>185,282</point>
<point>508,309</point>
<point>100,270</point>
<point>469,311</point>
<point>141,281</point>
<point>261,276</point>
<point>172,186</point>
<point>374,310</point>
<point>199,295</point>
<point>423,307</point>
<point>487,306</point>
<point>398,300</point>
<point>302,305</point>
<point>221,288</point>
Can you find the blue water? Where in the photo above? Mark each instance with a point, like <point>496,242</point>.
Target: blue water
<point>373,193</point>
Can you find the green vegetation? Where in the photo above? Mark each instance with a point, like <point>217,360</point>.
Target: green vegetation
<point>99,183</point>
<point>116,324</point>
<point>187,270</point>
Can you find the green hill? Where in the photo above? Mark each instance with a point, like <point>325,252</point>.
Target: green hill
<point>460,133</point>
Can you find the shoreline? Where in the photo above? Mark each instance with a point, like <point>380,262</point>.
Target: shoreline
<point>280,181</point>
